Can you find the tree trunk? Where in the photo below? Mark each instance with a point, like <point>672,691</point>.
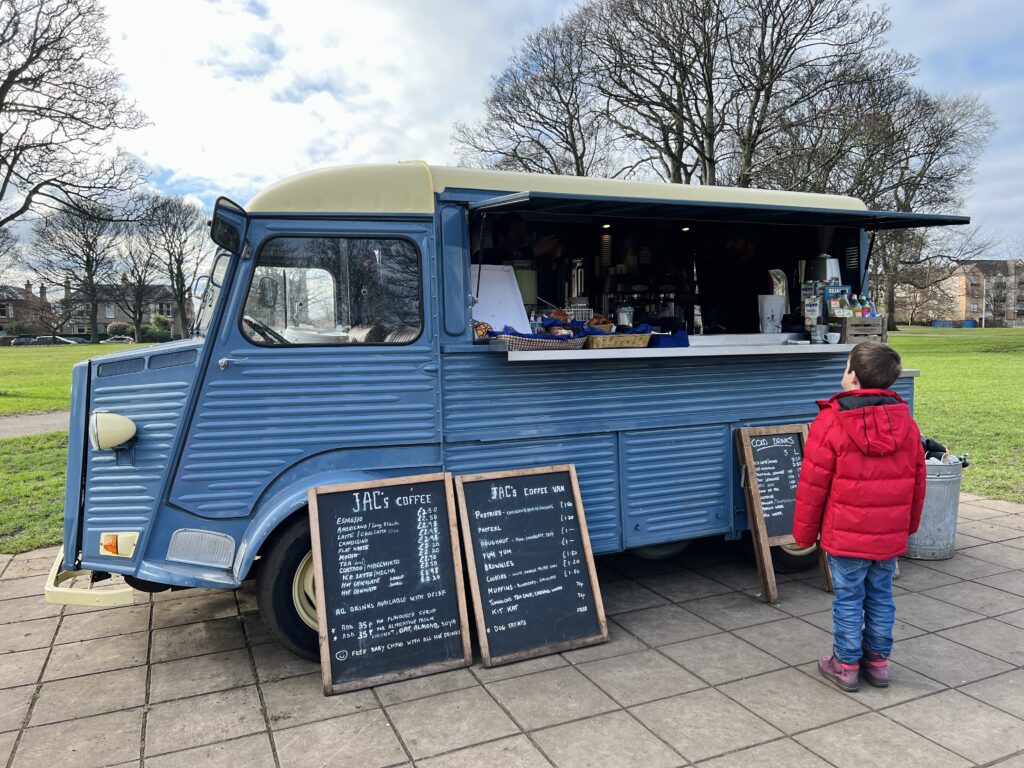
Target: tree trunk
<point>94,332</point>
<point>179,319</point>
<point>138,329</point>
<point>890,301</point>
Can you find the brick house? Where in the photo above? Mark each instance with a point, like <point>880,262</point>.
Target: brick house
<point>993,289</point>
<point>109,312</point>
<point>22,306</point>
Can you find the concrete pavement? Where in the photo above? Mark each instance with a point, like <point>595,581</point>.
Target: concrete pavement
<point>33,424</point>
<point>698,671</point>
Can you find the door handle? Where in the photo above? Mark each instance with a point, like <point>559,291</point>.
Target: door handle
<point>223,362</point>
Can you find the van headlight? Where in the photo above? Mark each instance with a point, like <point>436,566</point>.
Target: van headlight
<point>109,430</point>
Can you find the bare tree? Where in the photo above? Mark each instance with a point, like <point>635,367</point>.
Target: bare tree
<point>53,315</point>
<point>74,247</point>
<point>8,252</point>
<point>60,106</point>
<point>544,113</point>
<point>175,233</point>
<point>137,269</point>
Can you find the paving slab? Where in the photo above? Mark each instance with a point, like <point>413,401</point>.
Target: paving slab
<point>249,751</point>
<point>549,698</point>
<point>116,621</point>
<point>735,610</point>
<point>186,640</point>
<point>946,661</point>
<point>1011,581</point>
<point>704,724</point>
<point>200,674</point>
<point>23,587</point>
<point>513,752</point>
<point>640,677</point>
<point>784,753</point>
<point>682,586</point>
<point>1005,692</point>
<point>25,608</point>
<point>91,656</point>
<point>906,685</point>
<point>1010,507</point>
<point>876,741</point>
<point>7,745</point>
<point>791,701</point>
<point>23,567</point>
<point>26,635</point>
<point>620,641</point>
<point>202,720</point>
<point>993,637</point>
<point>90,695</point>
<point>89,742</point>
<point>364,739</point>
<point>931,614</point>
<point>21,667</point>
<point>470,716</point>
<point>665,624</point>
<point>964,566</point>
<point>520,668</point>
<point>275,662</point>
<point>608,741</point>
<point>799,598</point>
<point>979,598</point>
<point>14,704</point>
<point>421,687</point>
<point>186,610</point>
<point>963,725</point>
<point>915,577</point>
<point>987,530</point>
<point>721,658</point>
<point>300,700</point>
<point>626,595</point>
<point>793,640</point>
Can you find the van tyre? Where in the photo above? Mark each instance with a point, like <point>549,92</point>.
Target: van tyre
<point>284,587</point>
<point>789,558</point>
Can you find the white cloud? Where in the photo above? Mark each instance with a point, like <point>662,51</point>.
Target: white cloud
<point>239,99</point>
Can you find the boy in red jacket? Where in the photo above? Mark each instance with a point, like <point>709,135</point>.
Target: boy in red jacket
<point>861,487</point>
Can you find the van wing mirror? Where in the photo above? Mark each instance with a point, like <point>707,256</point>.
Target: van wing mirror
<point>200,285</point>
<point>266,292</point>
<point>227,229</point>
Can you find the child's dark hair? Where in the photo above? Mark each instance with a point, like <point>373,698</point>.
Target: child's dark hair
<point>877,365</point>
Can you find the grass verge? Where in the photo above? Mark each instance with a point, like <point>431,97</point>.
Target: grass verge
<point>970,397</point>
<point>32,493</point>
<point>34,379</point>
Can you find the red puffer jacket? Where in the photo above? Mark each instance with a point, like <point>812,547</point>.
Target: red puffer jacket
<point>862,481</point>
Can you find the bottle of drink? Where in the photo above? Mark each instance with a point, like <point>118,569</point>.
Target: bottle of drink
<point>869,307</point>
<point>855,306</point>
<point>844,305</point>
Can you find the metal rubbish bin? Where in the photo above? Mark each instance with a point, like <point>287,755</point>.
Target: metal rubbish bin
<point>936,537</point>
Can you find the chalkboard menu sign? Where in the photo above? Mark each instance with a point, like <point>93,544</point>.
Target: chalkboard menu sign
<point>389,592</point>
<point>531,569</point>
<point>771,459</point>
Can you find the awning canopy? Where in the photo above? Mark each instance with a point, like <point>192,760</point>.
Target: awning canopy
<point>740,213</point>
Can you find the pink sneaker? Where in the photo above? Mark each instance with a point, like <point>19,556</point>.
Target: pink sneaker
<point>875,669</point>
<point>843,675</point>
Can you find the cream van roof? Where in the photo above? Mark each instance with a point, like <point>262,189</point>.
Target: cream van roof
<point>409,187</point>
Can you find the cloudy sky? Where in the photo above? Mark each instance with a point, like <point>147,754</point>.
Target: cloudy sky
<point>242,93</point>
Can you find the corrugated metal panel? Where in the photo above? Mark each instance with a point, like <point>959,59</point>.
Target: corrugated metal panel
<point>122,491</point>
<point>488,398</point>
<point>271,408</point>
<point>596,469</point>
<point>675,483</point>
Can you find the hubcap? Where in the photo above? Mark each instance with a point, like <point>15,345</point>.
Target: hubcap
<point>303,594</point>
<point>796,551</point>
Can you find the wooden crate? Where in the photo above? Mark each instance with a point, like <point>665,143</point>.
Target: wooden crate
<point>857,329</point>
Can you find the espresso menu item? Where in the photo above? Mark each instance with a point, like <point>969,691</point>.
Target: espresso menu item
<point>777,460</point>
<point>390,599</point>
<point>531,570</point>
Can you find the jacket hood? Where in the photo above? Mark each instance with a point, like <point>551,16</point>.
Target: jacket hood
<point>876,420</point>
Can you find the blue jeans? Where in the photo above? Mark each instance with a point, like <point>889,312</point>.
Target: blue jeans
<point>863,610</point>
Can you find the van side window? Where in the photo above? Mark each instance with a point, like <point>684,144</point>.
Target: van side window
<point>335,290</point>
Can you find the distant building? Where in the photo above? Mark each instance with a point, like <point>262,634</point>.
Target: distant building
<point>992,290</point>
<point>21,306</point>
<point>162,303</point>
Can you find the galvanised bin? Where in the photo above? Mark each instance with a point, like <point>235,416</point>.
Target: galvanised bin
<point>936,537</point>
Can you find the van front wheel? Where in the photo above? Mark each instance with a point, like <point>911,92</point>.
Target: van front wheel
<point>284,588</point>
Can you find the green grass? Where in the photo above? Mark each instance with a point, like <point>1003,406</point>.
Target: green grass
<point>32,493</point>
<point>970,397</point>
<point>34,379</point>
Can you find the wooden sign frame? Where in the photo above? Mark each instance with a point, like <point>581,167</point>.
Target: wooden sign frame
<point>481,626</point>
<point>755,512</point>
<point>330,687</point>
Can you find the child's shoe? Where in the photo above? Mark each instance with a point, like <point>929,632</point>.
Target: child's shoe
<point>843,675</point>
<point>875,669</point>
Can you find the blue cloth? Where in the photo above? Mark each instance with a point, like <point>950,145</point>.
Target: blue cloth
<point>863,611</point>
<point>676,339</point>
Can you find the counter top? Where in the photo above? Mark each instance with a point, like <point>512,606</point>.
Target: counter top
<point>696,350</point>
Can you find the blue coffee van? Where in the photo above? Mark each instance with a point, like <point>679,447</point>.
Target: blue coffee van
<point>337,342</point>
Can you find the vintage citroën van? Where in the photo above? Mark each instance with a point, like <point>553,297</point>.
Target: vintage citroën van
<point>336,342</point>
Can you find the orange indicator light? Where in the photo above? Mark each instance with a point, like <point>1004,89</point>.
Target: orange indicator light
<point>109,544</point>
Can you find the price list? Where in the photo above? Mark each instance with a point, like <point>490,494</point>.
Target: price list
<point>777,460</point>
<point>392,596</point>
<point>530,564</point>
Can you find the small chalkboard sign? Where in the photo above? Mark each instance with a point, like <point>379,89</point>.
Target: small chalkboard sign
<point>531,570</point>
<point>771,459</point>
<point>389,592</point>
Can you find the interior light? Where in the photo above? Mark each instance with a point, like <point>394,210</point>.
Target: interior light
<point>686,229</point>
<point>606,226</point>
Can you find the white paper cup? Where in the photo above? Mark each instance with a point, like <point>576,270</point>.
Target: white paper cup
<point>833,338</point>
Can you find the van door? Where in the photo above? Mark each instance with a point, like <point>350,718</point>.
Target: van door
<point>328,344</point>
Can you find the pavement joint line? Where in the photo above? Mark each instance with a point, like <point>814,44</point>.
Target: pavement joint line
<point>149,680</point>
<point>928,738</point>
<point>259,685</point>
<point>391,725</point>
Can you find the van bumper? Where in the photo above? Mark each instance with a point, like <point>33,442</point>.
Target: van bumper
<point>79,588</point>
